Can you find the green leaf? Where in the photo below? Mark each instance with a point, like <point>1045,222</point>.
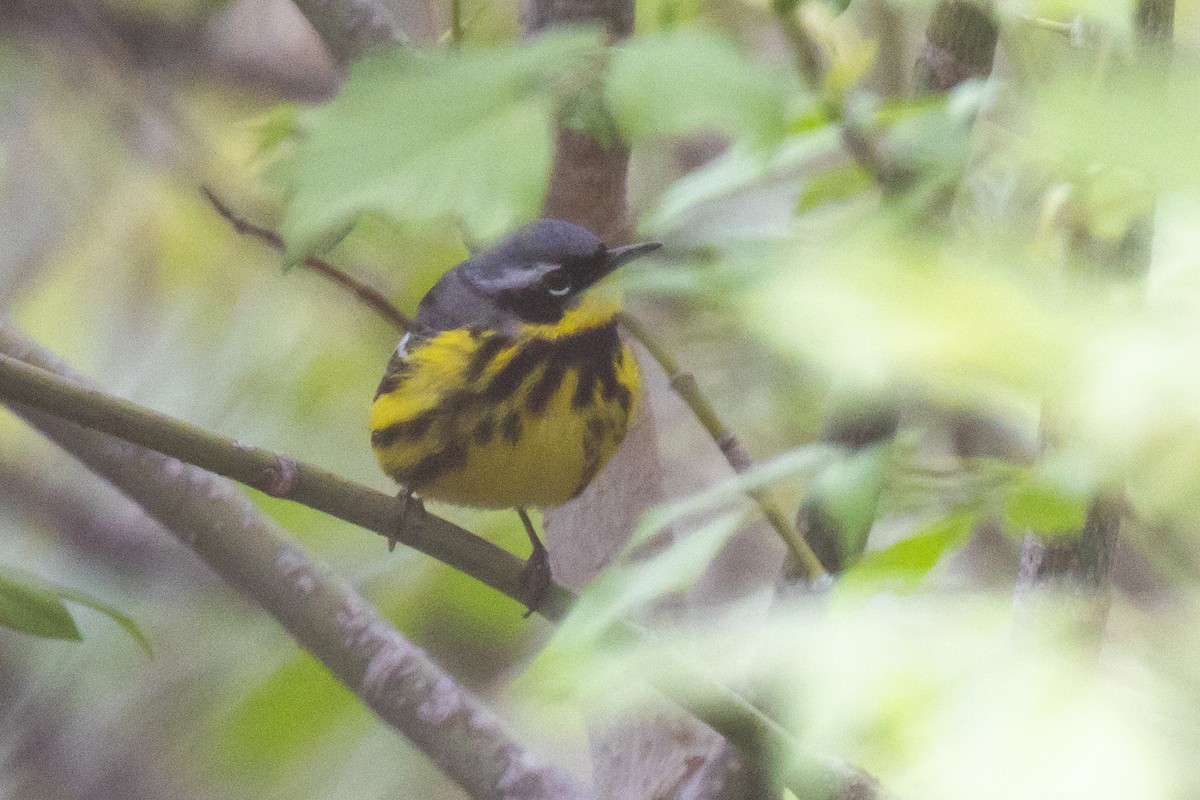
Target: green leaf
<point>34,605</point>
<point>839,183</point>
<point>30,606</point>
<point>585,110</point>
<point>692,81</point>
<point>275,127</point>
<point>738,174</point>
<point>421,136</point>
<point>293,714</point>
<point>1040,505</point>
<point>801,461</point>
<point>909,560</point>
<point>124,620</point>
<point>1128,121</point>
<point>624,587</point>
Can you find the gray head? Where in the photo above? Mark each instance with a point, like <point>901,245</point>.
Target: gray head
<point>544,268</point>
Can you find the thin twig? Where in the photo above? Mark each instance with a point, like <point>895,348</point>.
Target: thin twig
<point>367,295</point>
<point>34,390</point>
<point>684,384</point>
<point>806,50</point>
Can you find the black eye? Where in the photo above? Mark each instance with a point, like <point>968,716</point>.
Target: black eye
<point>557,283</point>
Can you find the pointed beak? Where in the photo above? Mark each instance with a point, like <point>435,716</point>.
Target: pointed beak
<point>623,255</point>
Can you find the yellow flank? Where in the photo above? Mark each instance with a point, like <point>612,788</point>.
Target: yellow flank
<point>495,420</point>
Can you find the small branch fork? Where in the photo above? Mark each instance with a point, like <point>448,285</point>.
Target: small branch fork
<point>682,382</point>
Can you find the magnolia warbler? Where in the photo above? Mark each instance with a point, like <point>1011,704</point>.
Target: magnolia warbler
<point>513,389</point>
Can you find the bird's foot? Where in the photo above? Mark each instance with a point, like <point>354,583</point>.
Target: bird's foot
<point>536,578</point>
<point>411,508</point>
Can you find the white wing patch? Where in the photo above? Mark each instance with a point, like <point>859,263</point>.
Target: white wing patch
<point>402,348</point>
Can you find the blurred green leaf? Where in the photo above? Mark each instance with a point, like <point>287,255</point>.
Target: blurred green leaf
<point>837,6</point>
<point>663,15</point>
<point>627,586</point>
<point>909,560</point>
<point>586,111</point>
<point>691,81</point>
<point>841,505</point>
<point>418,136</point>
<point>1039,504</point>
<point>29,605</point>
<point>839,183</point>
<point>124,620</point>
<point>738,174</point>
<point>1129,121</point>
<point>802,460</point>
<point>894,110</point>
<point>276,126</point>
<point>285,718</point>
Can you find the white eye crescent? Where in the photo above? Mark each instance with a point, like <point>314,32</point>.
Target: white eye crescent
<point>560,291</point>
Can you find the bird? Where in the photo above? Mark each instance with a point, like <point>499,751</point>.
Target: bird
<point>513,387</point>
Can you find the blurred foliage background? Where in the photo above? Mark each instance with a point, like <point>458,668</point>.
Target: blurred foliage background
<point>1036,277</point>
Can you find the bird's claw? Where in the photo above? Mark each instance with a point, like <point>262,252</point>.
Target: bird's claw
<point>536,579</point>
<point>409,504</point>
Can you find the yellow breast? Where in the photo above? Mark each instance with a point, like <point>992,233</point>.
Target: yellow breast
<point>486,419</point>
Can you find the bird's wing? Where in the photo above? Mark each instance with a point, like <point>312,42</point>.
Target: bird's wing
<point>398,364</point>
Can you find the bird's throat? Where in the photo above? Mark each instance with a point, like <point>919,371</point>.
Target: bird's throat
<point>595,310</point>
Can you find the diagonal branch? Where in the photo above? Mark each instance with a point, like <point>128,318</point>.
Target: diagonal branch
<point>272,473</point>
<point>252,554</point>
<point>811,66</point>
<point>323,613</point>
